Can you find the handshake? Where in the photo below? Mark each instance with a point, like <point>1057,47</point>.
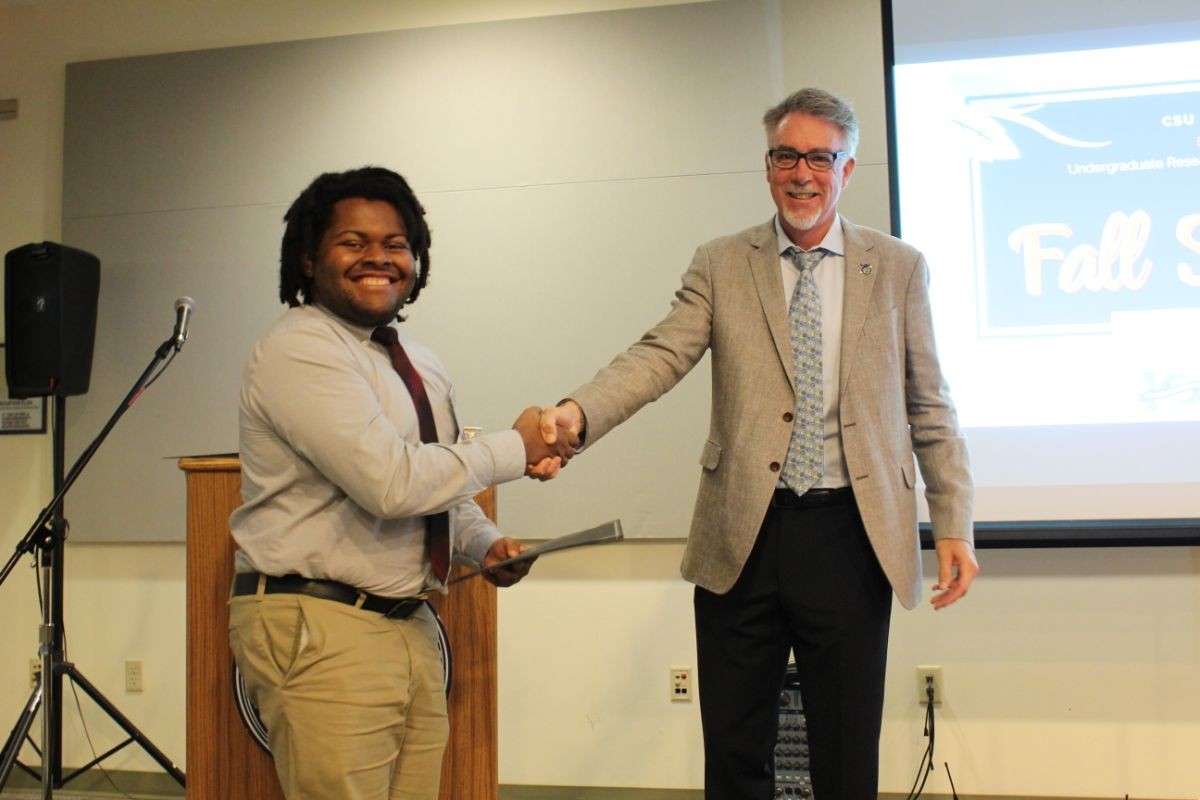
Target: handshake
<point>550,436</point>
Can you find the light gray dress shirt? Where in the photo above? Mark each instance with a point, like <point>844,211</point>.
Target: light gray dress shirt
<point>335,479</point>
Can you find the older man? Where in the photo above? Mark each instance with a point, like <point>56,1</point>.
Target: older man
<point>825,383</point>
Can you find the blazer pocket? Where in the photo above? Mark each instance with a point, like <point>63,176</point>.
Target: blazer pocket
<point>711,456</point>
<point>909,473</point>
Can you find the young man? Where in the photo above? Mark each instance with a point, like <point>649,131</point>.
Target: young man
<point>355,492</point>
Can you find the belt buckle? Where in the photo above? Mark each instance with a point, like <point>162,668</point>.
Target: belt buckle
<point>785,498</point>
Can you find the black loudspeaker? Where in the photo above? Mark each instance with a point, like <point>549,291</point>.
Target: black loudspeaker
<point>50,294</point>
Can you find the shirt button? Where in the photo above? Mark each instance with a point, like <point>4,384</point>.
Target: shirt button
<point>774,466</point>
<point>787,417</point>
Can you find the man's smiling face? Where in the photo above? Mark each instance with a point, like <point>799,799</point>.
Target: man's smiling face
<point>805,198</point>
<point>364,269</point>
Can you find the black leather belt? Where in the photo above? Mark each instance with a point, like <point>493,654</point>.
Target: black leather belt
<point>245,583</point>
<point>786,498</point>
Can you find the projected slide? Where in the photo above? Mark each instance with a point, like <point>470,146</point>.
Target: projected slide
<point>1057,197</point>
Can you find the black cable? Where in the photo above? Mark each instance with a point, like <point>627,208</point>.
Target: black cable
<point>920,766</point>
<point>953,791</point>
<point>156,375</point>
<point>87,734</point>
<point>926,765</point>
<point>37,579</point>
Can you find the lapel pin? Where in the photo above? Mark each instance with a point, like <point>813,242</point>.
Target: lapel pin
<point>865,269</point>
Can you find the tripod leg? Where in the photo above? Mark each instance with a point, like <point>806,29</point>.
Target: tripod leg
<point>12,748</point>
<point>77,677</point>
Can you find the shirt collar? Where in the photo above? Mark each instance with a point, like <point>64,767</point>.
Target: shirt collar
<point>834,241</point>
<point>358,331</point>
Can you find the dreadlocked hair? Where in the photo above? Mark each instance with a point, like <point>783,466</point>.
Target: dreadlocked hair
<point>312,212</point>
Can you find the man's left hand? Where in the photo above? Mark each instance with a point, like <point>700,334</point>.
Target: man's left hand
<point>957,567</point>
<point>503,548</point>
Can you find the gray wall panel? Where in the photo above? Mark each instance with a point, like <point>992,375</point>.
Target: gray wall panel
<point>616,95</point>
<point>573,160</point>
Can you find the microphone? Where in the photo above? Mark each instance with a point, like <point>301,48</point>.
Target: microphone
<point>184,308</point>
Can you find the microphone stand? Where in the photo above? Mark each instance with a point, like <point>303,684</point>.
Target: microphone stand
<point>46,537</point>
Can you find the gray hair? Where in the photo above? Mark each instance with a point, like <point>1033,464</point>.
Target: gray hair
<point>822,105</point>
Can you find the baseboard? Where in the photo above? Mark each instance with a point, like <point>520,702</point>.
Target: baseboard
<point>511,792</point>
<point>160,785</point>
<point>95,781</point>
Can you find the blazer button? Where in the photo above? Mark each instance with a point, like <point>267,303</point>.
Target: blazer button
<point>787,417</point>
<point>774,466</point>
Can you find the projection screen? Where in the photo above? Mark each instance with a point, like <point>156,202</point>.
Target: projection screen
<point>1046,158</point>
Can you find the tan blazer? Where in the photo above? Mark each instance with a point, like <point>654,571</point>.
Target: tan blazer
<point>894,400</point>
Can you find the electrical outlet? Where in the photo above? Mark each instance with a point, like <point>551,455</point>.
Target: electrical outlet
<point>681,684</point>
<point>133,675</point>
<point>926,674</point>
<point>35,672</point>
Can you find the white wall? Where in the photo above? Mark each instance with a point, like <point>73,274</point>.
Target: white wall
<point>1068,673</point>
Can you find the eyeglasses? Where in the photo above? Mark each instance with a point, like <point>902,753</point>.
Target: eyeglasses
<point>817,160</point>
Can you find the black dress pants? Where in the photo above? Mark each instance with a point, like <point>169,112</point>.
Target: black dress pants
<point>811,585</point>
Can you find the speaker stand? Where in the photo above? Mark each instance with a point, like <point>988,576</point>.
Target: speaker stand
<point>47,537</point>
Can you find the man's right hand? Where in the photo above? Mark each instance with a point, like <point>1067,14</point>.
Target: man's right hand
<point>544,455</point>
<point>567,415</point>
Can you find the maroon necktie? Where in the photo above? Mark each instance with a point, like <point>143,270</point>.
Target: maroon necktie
<point>437,526</point>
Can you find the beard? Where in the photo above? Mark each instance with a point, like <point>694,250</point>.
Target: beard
<point>803,222</point>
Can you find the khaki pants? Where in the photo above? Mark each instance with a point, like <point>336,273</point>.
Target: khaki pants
<point>354,702</point>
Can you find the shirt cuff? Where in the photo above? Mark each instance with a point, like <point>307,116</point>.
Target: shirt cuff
<point>477,548</point>
<point>508,454</point>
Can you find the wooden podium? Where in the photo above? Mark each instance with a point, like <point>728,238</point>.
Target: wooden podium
<point>223,762</point>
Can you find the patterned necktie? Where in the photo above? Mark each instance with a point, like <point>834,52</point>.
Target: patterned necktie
<point>805,462</point>
<point>437,526</point>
